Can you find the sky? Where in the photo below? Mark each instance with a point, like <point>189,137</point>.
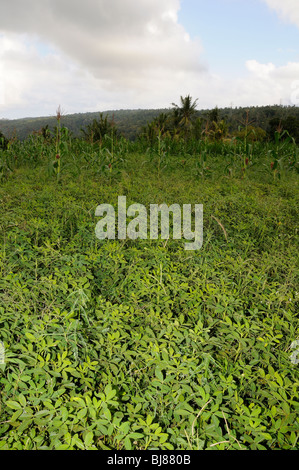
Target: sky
<point>101,55</point>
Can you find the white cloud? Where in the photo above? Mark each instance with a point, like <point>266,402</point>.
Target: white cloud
<point>33,83</point>
<point>267,84</point>
<point>262,71</point>
<point>120,46</point>
<point>262,85</point>
<point>288,10</point>
<point>99,55</point>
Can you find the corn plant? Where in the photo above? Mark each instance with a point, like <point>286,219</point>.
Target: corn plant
<point>283,155</point>
<point>161,154</point>
<point>61,146</point>
<point>201,167</point>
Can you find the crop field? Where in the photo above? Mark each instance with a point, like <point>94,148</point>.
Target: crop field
<point>141,344</point>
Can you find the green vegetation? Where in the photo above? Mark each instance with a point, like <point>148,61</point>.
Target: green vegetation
<point>131,122</point>
<point>140,344</point>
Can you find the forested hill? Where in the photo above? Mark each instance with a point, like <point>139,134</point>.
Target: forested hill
<point>130,122</point>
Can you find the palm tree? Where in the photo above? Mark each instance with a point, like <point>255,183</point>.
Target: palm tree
<point>162,122</point>
<point>186,111</point>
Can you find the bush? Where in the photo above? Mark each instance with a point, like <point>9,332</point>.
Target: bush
<point>3,141</point>
<point>252,134</point>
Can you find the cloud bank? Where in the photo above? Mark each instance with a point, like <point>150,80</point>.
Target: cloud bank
<point>99,55</point>
<point>134,50</point>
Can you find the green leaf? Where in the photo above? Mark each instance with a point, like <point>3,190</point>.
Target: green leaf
<point>124,427</point>
<point>30,336</point>
<point>285,407</point>
<point>182,412</point>
<point>41,413</point>
<point>24,425</point>
<point>82,413</point>
<point>88,439</point>
<point>135,435</point>
<point>13,404</point>
<point>107,414</point>
<point>22,400</point>
<point>127,442</point>
<point>102,429</point>
<point>25,378</point>
<point>16,415</point>
<point>163,438</point>
<point>267,436</point>
<point>159,374</point>
<point>149,420</point>
<point>77,441</point>
<point>109,392</point>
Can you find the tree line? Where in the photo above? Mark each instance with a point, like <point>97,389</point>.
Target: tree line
<point>184,121</point>
<point>181,121</point>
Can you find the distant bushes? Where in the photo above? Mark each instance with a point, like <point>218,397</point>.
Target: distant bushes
<point>289,124</point>
<point>252,134</point>
<point>3,141</point>
<point>179,122</point>
<point>98,129</point>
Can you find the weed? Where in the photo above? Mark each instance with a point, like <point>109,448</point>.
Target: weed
<point>136,344</point>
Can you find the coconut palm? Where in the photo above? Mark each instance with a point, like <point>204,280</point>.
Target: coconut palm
<point>185,111</point>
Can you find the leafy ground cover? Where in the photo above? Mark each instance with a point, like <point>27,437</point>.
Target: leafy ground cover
<point>141,344</point>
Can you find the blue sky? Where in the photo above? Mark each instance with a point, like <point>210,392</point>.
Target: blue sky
<point>102,55</point>
<point>232,31</point>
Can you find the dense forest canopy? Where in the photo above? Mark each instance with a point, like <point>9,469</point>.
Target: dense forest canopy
<point>265,120</point>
